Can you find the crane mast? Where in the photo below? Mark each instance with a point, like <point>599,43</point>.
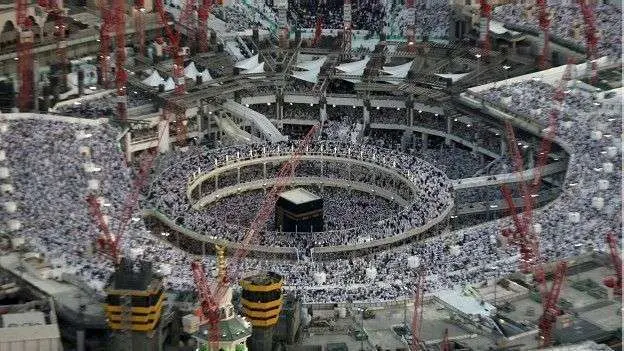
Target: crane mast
<point>105,43</point>
<point>616,281</point>
<point>121,76</point>
<point>484,27</point>
<point>544,24</point>
<point>550,299</point>
<point>202,15</point>
<point>139,24</point>
<point>25,60</point>
<point>411,25</point>
<point>591,40</point>
<point>346,34</point>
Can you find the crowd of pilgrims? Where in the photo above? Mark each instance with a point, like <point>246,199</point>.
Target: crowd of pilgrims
<point>48,182</point>
<point>102,107</point>
<point>566,22</point>
<point>375,16</point>
<point>362,208</point>
<point>428,193</point>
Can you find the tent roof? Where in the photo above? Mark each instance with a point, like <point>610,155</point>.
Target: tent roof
<point>169,84</point>
<point>454,77</point>
<point>256,69</point>
<point>312,65</point>
<point>309,76</point>
<point>153,80</point>
<point>191,71</point>
<point>247,63</point>
<point>353,66</point>
<point>205,74</point>
<point>399,71</point>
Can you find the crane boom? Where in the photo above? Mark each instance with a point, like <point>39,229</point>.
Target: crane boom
<point>25,63</point>
<point>591,40</point>
<point>544,23</point>
<point>549,303</point>
<point>283,179</point>
<point>616,259</point>
<point>209,308</point>
<point>208,298</point>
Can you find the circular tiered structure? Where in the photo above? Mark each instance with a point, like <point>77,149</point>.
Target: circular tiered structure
<point>188,185</point>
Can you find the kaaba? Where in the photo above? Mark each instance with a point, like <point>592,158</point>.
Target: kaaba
<point>299,210</point>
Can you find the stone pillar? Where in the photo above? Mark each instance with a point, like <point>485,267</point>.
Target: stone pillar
<point>163,129</point>
<point>80,340</point>
<point>410,113</point>
<point>366,114</point>
<point>449,130</point>
<point>323,112</point>
<point>238,175</point>
<point>503,146</point>
<point>425,140</point>
<point>126,146</point>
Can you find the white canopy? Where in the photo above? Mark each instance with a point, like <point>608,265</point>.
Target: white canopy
<point>353,66</point>
<point>247,63</point>
<point>256,69</point>
<point>312,65</point>
<point>205,74</point>
<point>169,84</point>
<point>153,80</point>
<point>355,73</point>
<point>498,28</point>
<point>191,71</point>
<point>454,77</point>
<point>399,71</point>
<point>309,76</point>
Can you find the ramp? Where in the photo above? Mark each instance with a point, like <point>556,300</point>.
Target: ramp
<point>259,121</point>
<point>229,128</point>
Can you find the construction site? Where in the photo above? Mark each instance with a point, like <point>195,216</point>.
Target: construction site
<point>323,175</point>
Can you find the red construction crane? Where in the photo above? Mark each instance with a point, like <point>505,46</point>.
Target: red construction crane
<point>25,64</point>
<point>178,66</point>
<point>174,44</point>
<point>550,299</point>
<point>209,298</point>
<point>591,40</point>
<point>484,27</point>
<point>446,344</point>
<point>139,24</point>
<point>318,26</point>
<point>410,33</point>
<point>522,232</point>
<point>419,292</point>
<point>318,30</point>
<point>544,23</point>
<point>209,308</point>
<point>346,34</point>
<point>54,8</point>
<point>110,240</point>
<point>283,179</point>
<point>105,43</point>
<point>202,31</point>
<point>118,16</point>
<point>614,282</point>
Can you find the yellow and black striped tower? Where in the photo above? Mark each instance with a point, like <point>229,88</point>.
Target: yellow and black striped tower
<point>262,303</point>
<point>134,303</point>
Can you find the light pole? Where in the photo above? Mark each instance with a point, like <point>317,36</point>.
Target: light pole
<point>506,68</point>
